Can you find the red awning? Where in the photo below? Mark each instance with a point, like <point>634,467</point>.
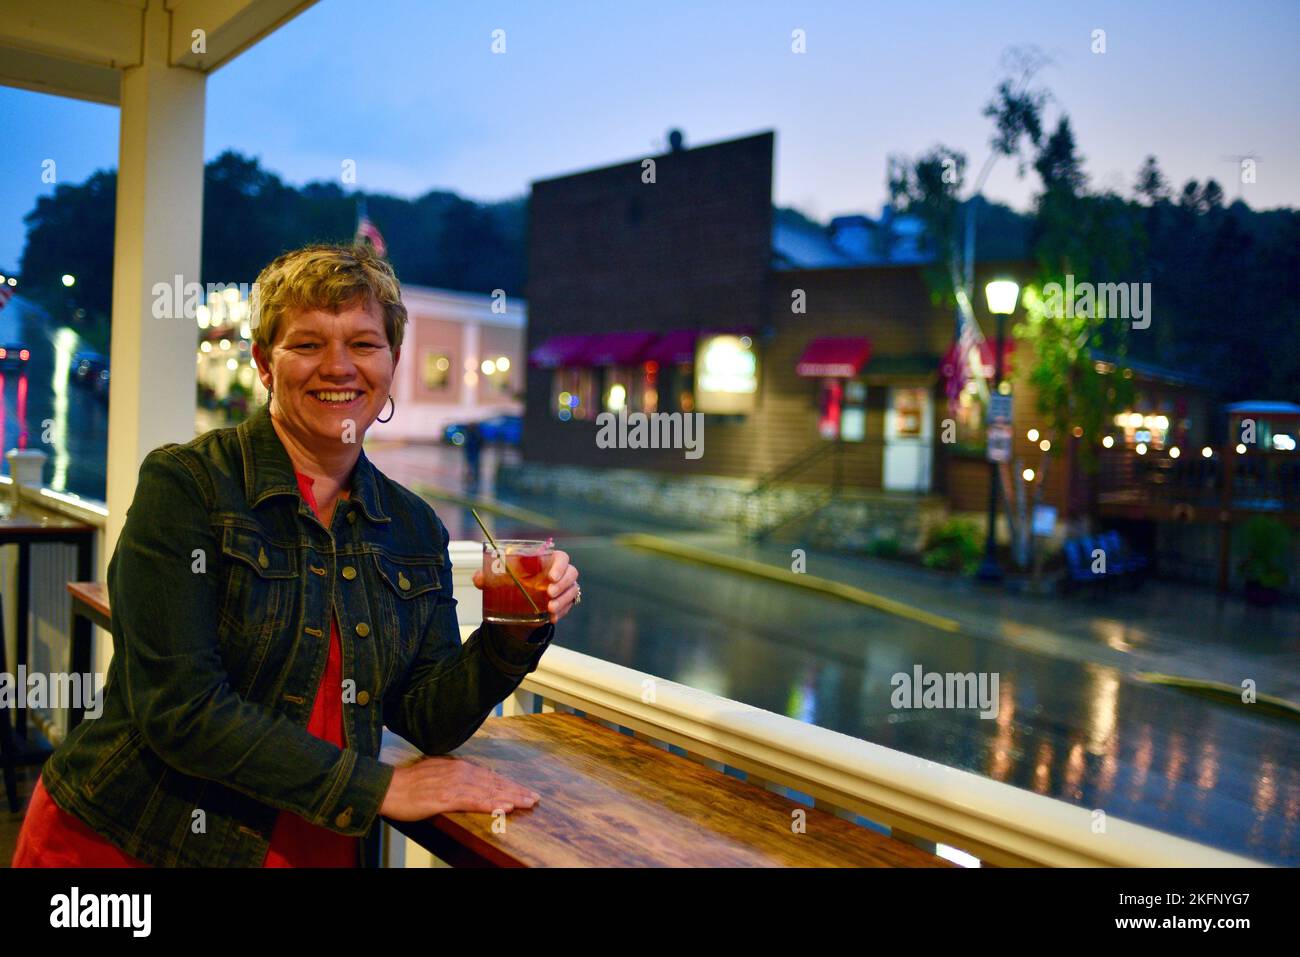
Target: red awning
<point>674,348</point>
<point>624,348</point>
<point>841,358</point>
<point>560,351</point>
<point>948,365</point>
<point>616,348</point>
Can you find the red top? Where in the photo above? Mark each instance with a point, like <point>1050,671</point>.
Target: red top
<point>51,837</point>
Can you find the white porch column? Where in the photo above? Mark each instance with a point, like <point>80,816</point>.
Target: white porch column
<point>159,225</point>
<point>157,237</point>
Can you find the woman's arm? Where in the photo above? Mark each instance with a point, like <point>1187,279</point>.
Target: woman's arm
<point>165,593</point>
<point>452,688</point>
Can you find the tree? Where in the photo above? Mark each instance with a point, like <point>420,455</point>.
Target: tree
<point>71,232</point>
<point>928,188</point>
<point>1151,184</point>
<point>251,216</point>
<point>1080,238</point>
<point>1057,164</point>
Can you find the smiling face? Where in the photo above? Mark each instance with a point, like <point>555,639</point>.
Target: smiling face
<point>328,369</point>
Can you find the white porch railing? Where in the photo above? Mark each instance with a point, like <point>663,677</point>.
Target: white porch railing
<point>49,627</point>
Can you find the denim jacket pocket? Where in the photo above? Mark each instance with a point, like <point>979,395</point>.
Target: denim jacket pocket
<point>261,579</point>
<point>408,590</point>
<point>118,756</point>
<point>259,600</point>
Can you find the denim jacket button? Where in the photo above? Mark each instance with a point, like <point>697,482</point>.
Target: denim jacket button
<point>403,582</point>
<point>344,819</point>
<point>363,629</point>
<point>261,557</point>
<point>363,698</point>
<point>349,572</point>
<point>352,516</point>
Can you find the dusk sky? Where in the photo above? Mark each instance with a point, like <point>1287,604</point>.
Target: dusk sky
<point>415,95</point>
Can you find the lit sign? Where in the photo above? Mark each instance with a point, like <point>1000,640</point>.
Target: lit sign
<point>726,375</point>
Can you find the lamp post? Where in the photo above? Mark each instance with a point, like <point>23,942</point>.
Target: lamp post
<point>1002,295</point>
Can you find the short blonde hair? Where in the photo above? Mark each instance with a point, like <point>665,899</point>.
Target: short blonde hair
<point>326,277</point>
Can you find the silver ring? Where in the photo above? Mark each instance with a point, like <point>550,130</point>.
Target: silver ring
<point>577,599</point>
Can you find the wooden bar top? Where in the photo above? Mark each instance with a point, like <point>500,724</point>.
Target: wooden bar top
<point>94,595</point>
<point>612,800</point>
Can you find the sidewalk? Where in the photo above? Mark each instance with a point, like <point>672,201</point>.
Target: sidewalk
<point>1160,627</point>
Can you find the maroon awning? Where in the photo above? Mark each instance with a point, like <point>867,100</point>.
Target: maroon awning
<point>834,358</point>
<point>560,351</point>
<point>616,348</point>
<point>673,348</point>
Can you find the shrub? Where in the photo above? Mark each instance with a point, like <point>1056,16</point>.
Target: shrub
<point>1267,543</point>
<point>954,546</point>
<point>886,546</point>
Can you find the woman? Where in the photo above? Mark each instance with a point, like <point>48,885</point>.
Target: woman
<point>276,601</point>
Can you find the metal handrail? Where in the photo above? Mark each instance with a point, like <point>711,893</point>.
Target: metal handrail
<point>810,456</point>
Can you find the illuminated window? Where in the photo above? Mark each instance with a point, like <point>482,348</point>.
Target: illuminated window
<point>829,404</point>
<point>635,388</point>
<point>437,370</point>
<point>676,387</point>
<point>573,394</point>
<point>853,418</point>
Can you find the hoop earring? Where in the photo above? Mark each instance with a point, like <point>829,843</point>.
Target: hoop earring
<point>390,414</point>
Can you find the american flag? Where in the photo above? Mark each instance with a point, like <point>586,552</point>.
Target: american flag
<point>964,361</point>
<point>369,232</point>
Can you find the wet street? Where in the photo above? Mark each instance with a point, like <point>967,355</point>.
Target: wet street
<point>1080,732</point>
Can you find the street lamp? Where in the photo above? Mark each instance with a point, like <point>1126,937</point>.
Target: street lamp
<point>1002,296</point>
<point>68,279</point>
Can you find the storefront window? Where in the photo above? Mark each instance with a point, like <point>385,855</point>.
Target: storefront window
<point>908,404</point>
<point>573,394</point>
<point>678,387</point>
<point>635,388</point>
<point>436,371</point>
<point>853,420</point>
<point>829,404</point>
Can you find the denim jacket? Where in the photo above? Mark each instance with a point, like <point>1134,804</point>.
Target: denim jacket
<point>222,587</point>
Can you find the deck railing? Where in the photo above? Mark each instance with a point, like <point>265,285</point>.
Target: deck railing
<point>1253,480</point>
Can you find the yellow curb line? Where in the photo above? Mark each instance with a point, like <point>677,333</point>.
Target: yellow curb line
<point>810,582</point>
<point>509,511</point>
<point>1222,691</point>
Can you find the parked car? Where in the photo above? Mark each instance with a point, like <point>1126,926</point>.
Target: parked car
<point>86,367</point>
<point>14,355</point>
<point>502,429</point>
<point>89,370</point>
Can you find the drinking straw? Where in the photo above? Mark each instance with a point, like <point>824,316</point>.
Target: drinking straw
<point>496,550</point>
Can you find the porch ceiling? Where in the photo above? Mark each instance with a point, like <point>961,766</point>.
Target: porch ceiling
<point>78,48</point>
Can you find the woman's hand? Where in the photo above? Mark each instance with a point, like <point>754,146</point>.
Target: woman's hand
<point>438,785</point>
<point>563,589</point>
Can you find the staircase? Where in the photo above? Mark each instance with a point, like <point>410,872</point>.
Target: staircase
<point>778,499</point>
